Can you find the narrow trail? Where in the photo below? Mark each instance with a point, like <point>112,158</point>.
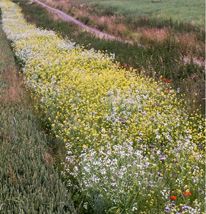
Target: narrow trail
<point>71,19</point>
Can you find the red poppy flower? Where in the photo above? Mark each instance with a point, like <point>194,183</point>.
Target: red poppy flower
<point>166,80</point>
<point>173,197</point>
<point>187,194</point>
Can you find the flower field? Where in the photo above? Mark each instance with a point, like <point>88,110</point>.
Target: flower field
<point>130,145</point>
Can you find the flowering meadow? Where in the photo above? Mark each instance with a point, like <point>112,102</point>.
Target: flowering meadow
<point>130,145</point>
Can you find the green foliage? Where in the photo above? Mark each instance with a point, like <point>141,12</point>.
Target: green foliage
<point>28,184</point>
<point>5,54</point>
<point>178,10</point>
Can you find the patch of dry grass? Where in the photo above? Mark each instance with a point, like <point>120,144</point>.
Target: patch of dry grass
<point>14,90</point>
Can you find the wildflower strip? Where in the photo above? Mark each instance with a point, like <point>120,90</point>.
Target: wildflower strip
<point>129,141</point>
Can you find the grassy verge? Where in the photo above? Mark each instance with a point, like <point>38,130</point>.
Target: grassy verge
<point>157,59</point>
<point>176,10</point>
<point>29,183</point>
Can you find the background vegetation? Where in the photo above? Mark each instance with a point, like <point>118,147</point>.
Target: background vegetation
<point>156,59</point>
<point>179,10</point>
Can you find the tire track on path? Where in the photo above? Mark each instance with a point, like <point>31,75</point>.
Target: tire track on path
<point>71,19</point>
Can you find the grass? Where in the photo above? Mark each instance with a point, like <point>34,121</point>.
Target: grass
<point>29,183</point>
<point>178,10</point>
<point>156,59</point>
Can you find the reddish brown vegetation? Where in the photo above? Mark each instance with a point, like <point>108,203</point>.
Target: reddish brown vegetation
<point>154,34</point>
<point>13,91</point>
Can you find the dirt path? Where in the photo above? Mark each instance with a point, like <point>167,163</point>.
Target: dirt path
<point>71,19</point>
